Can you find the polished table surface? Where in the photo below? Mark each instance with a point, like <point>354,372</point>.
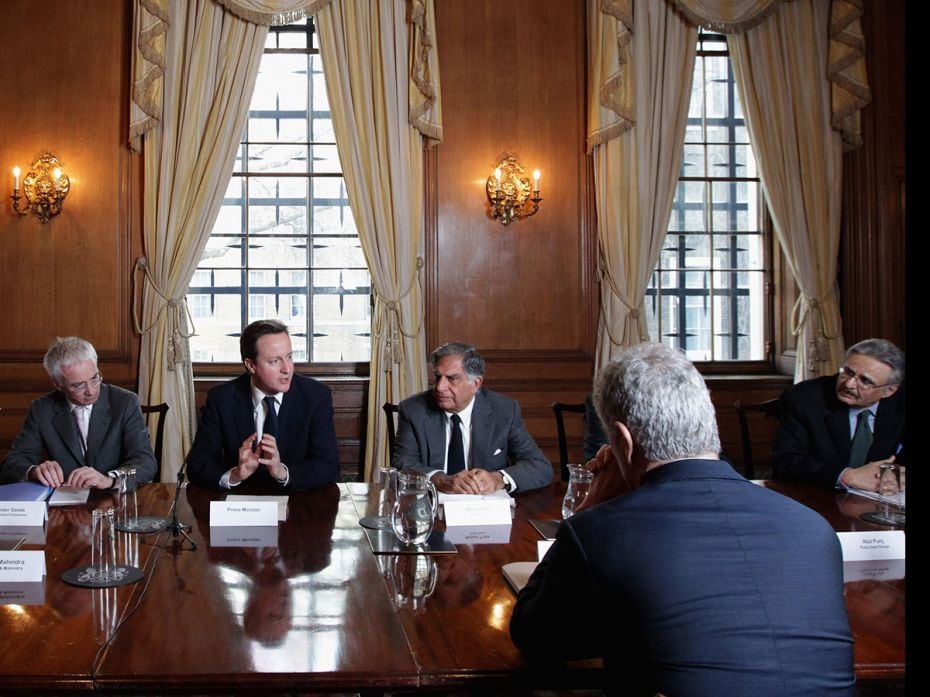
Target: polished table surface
<point>316,610</point>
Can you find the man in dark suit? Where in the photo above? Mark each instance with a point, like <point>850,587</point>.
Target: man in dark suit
<point>836,431</point>
<point>84,431</point>
<point>468,439</point>
<point>684,576</point>
<point>268,426</point>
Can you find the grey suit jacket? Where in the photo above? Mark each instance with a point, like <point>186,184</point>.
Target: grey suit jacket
<point>116,437</point>
<point>498,437</point>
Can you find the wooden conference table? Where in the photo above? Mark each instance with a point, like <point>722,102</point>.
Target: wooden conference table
<point>315,610</point>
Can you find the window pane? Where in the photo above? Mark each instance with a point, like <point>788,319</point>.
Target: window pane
<point>285,244</point>
<point>708,293</point>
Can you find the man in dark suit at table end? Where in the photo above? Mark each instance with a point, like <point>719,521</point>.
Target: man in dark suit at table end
<point>469,440</point>
<point>84,431</point>
<point>837,431</point>
<point>269,427</point>
<point>685,577</point>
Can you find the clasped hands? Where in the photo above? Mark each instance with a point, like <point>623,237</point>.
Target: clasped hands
<point>868,477</point>
<point>253,453</point>
<point>50,473</point>
<point>470,481</point>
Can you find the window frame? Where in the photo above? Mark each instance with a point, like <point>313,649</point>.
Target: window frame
<point>207,370</point>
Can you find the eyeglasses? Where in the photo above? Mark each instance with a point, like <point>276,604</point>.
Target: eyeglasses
<point>81,386</point>
<point>846,374</point>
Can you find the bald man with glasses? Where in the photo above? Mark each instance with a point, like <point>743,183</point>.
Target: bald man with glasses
<point>83,431</point>
<point>837,431</point>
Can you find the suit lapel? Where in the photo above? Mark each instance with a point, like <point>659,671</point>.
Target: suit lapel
<point>838,426</point>
<point>290,414</point>
<point>887,422</point>
<point>435,434</point>
<point>99,423</point>
<point>64,425</point>
<point>243,410</point>
<point>482,430</point>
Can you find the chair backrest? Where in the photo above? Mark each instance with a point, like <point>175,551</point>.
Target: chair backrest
<point>389,411</point>
<point>161,410</point>
<point>768,409</point>
<point>558,408</point>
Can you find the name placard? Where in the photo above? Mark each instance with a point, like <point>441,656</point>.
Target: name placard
<point>870,545</point>
<point>479,534</point>
<point>22,513</point>
<point>243,514</point>
<point>22,566</point>
<point>478,511</point>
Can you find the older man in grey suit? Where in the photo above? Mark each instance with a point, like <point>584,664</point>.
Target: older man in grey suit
<point>469,440</point>
<point>83,431</point>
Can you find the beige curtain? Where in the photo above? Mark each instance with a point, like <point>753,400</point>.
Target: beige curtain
<point>210,62</point>
<point>366,52</point>
<point>780,68</point>
<point>635,172</point>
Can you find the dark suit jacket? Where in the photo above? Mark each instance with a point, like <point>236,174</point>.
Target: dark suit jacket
<point>594,435</point>
<point>306,442</point>
<point>116,437</point>
<point>697,583</point>
<point>814,439</point>
<point>497,435</point>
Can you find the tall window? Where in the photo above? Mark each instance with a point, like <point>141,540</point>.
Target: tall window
<point>708,294</point>
<point>285,245</point>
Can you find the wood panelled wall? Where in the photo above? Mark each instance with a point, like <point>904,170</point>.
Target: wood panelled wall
<point>513,82</point>
<point>63,90</point>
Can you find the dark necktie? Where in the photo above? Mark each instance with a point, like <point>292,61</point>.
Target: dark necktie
<point>456,459</point>
<point>861,442</point>
<point>271,418</point>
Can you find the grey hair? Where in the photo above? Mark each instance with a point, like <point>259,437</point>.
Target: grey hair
<point>658,394</point>
<point>472,361</point>
<point>884,351</point>
<point>67,351</point>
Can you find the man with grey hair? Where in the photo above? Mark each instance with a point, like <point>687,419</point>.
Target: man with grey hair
<point>836,431</point>
<point>82,432</point>
<point>684,576</point>
<point>468,439</point>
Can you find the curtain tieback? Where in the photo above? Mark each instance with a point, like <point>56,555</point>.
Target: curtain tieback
<point>389,322</point>
<point>179,318</point>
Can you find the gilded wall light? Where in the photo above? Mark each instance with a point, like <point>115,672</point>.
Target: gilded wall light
<point>45,188</point>
<point>510,194</point>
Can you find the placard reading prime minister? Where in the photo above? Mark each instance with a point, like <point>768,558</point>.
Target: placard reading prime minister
<point>468,439</point>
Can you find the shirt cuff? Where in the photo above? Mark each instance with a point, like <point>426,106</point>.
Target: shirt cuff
<point>509,480</point>
<point>287,476</point>
<point>839,480</point>
<point>225,483</point>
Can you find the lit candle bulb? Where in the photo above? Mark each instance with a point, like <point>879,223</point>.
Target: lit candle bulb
<point>497,176</point>
<point>57,173</point>
<point>536,180</point>
<point>16,179</point>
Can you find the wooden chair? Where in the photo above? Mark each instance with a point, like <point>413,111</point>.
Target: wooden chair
<point>161,410</point>
<point>558,408</point>
<point>768,409</point>
<point>389,411</point>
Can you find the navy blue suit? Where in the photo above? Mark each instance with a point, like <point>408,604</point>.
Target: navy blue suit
<point>306,440</point>
<point>697,583</point>
<point>815,438</point>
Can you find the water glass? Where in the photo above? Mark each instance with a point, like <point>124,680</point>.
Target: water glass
<point>103,545</point>
<point>414,509</point>
<point>579,483</point>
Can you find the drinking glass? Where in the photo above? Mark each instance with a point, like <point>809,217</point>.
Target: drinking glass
<point>415,508</point>
<point>889,484</point>
<point>103,545</point>
<point>579,483</point>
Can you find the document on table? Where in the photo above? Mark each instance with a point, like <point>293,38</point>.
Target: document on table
<point>68,496</point>
<point>895,499</point>
<point>517,573</point>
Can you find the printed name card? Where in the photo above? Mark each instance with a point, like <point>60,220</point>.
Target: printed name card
<point>22,566</point>
<point>479,534</point>
<point>869,545</point>
<point>22,513</point>
<point>243,514</point>
<point>478,510</point>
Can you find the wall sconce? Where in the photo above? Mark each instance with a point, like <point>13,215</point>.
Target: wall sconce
<point>509,192</point>
<point>45,188</point>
